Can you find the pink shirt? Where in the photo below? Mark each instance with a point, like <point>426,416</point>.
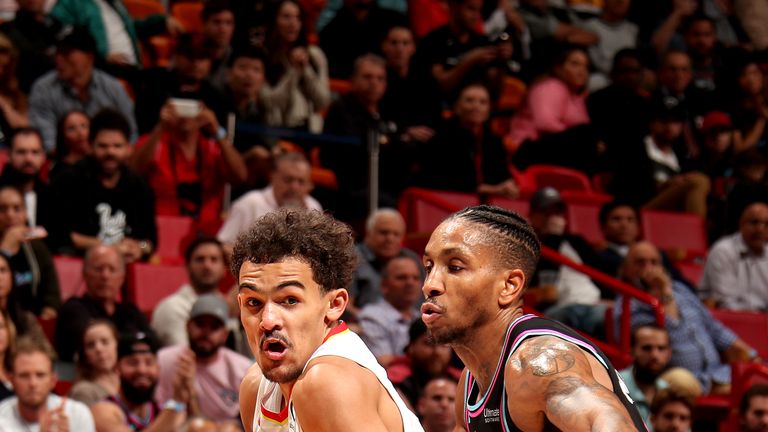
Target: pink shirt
<point>551,107</point>
<point>217,384</point>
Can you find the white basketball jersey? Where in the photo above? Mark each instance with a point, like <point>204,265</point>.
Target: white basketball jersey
<point>272,415</point>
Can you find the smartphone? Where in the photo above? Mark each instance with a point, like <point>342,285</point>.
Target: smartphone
<point>186,107</point>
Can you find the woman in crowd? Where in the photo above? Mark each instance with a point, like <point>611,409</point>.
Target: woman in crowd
<point>553,126</point>
<point>13,102</point>
<point>749,104</point>
<point>37,283</point>
<point>72,141</point>
<point>23,321</point>
<point>96,360</point>
<point>465,147</point>
<point>297,87</point>
<point>7,342</point>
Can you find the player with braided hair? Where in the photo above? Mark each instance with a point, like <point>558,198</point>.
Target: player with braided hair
<point>522,372</point>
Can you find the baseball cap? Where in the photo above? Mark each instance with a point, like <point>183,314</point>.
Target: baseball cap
<point>547,198</point>
<point>136,343</point>
<point>716,120</point>
<point>210,304</point>
<point>76,38</point>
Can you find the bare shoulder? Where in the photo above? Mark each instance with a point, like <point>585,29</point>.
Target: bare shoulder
<point>249,389</point>
<point>333,376</point>
<point>107,416</point>
<point>545,356</point>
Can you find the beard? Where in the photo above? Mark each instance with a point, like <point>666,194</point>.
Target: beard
<point>137,395</point>
<point>645,375</point>
<point>281,377</point>
<point>203,352</point>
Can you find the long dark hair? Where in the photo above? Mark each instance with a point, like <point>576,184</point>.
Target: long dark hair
<point>272,45</point>
<point>12,304</point>
<point>62,148</point>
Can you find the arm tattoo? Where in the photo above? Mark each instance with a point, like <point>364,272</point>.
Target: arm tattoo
<point>545,359</point>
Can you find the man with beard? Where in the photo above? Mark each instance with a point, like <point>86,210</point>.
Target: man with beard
<point>522,372</point>
<point>217,369</point>
<point>26,157</point>
<point>651,353</point>
<point>671,412</point>
<point>103,201</point>
<point>289,186</point>
<point>205,268</point>
<point>134,408</point>
<point>34,407</point>
<point>753,409</point>
<point>293,267</point>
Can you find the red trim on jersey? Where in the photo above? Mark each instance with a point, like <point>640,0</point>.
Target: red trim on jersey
<point>280,417</point>
<point>336,330</point>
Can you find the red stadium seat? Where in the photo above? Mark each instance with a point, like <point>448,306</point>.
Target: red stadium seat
<point>189,14</point>
<point>558,177</point>
<point>424,209</point>
<point>70,272</point>
<point>140,9</point>
<point>682,235</point>
<point>150,283</point>
<point>49,327</point>
<point>519,206</point>
<point>751,327</point>
<point>692,270</point>
<point>583,220</point>
<point>173,233</point>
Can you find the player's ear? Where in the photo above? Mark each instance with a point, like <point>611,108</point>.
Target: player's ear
<point>513,287</point>
<point>337,303</point>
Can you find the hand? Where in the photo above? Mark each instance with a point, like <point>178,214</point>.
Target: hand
<point>481,55</point>
<point>120,59</point>
<point>658,283</point>
<point>130,249</point>
<point>168,117</point>
<point>582,37</point>
<point>184,379</point>
<point>299,58</point>
<point>207,121</point>
<point>509,189</point>
<point>48,313</point>
<point>684,7</point>
<point>13,238</point>
<point>419,133</point>
<point>55,420</point>
<point>173,26</point>
<point>505,50</point>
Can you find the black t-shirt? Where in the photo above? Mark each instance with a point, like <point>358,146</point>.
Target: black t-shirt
<point>127,210</point>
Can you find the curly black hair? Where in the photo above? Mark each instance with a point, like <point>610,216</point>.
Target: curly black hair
<point>324,243</point>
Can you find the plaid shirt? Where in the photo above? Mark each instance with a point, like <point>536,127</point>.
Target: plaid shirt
<point>697,338</point>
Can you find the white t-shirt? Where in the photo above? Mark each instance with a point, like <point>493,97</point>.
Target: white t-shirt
<point>80,418</point>
<point>118,40</point>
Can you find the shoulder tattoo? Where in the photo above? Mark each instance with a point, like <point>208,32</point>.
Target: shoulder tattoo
<point>545,358</point>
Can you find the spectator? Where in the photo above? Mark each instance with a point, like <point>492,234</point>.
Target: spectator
<point>619,112</point>
<point>665,33</point>
<point>107,202</point>
<point>614,33</point>
<point>25,171</point>
<point>36,282</point>
<point>748,103</point>
<point>206,266</point>
<point>96,360</point>
<point>7,345</point>
<point>34,33</point>
<point>654,174</point>
<point>752,15</point>
<point>671,412</point>
<point>219,27</point>
<point>104,275</point>
<point>185,78</point>
<point>720,142</point>
<point>699,34</point>
<point>384,233</point>
<point>297,87</point>
<point>736,271</point>
<point>72,144</point>
<point>753,409</point>
<point>436,405</point>
<point>115,32</point>
<point>465,146</point>
<point>385,323</point>
<point>553,125</point>
<point>13,101</point>
<point>357,29</point>
<point>34,407</point>
<point>187,160</point>
<point>698,340</point>
<point>651,352</point>
<point>75,85</point>
<point>356,114</point>
<point>748,185</point>
<point>456,55</point>
<point>218,370</point>
<point>290,185</point>
<point>422,362</point>
<point>547,28</point>
<point>24,321</point>
<point>134,408</point>
<point>242,88</point>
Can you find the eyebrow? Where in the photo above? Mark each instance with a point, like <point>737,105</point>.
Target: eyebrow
<point>280,286</point>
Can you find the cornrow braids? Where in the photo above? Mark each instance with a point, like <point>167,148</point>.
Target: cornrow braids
<point>517,243</point>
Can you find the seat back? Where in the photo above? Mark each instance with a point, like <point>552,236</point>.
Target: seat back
<point>518,206</point>
<point>558,177</point>
<point>70,272</point>
<point>140,9</point>
<point>692,270</point>
<point>751,327</point>
<point>583,220</point>
<point>148,284</point>
<point>173,232</point>
<point>189,15</point>
<point>682,235</point>
<point>424,209</point>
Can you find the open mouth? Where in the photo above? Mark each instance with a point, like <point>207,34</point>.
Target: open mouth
<point>430,312</point>
<point>274,349</point>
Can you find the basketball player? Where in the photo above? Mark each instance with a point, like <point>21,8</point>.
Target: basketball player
<point>522,372</point>
<point>293,267</point>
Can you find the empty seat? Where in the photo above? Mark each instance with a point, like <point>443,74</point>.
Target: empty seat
<point>751,327</point>
<point>558,177</point>
<point>583,220</point>
<point>150,283</point>
<point>682,235</point>
<point>521,207</point>
<point>173,233</point>
<point>70,272</point>
<point>140,9</point>
<point>189,14</point>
